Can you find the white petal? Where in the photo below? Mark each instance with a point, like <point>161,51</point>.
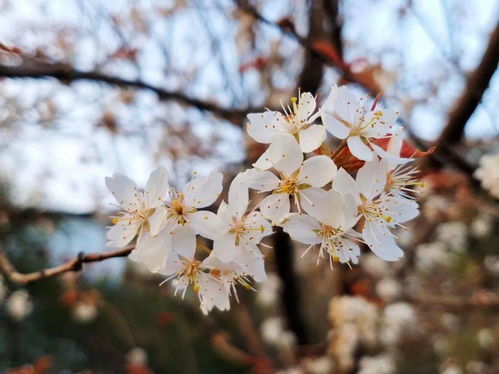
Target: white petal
<point>205,223</point>
<point>326,206</point>
<point>258,225</point>
<point>224,247</point>
<point>359,149</point>
<point>343,105</point>
<point>263,162</point>
<point>391,158</point>
<point>275,206</point>
<point>303,228</point>
<point>152,251</point>
<point>401,210</point>
<point>225,215</point>
<point>125,191</point>
<point>252,265</point>
<point>184,241</point>
<point>395,143</point>
<point>157,220</point>
<point>311,138</point>
<point>173,265</point>
<point>344,183</point>
<point>285,154</point>
<point>334,126</point>
<point>381,242</point>
<point>306,106</point>
<point>317,171</point>
<point>239,195</point>
<point>261,180</point>
<point>371,178</point>
<point>349,252</point>
<point>379,126</point>
<point>203,191</point>
<point>212,294</point>
<point>157,187</point>
<point>122,232</point>
<point>263,126</point>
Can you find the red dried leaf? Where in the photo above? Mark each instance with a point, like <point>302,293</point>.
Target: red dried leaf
<point>329,52</point>
<point>350,163</point>
<point>286,23</point>
<point>125,53</point>
<point>347,161</point>
<point>407,151</point>
<point>164,319</point>
<point>258,63</point>
<point>14,49</point>
<point>137,369</point>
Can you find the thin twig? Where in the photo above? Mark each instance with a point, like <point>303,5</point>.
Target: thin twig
<point>66,73</point>
<point>75,264</point>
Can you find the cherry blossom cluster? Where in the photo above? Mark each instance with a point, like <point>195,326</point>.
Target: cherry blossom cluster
<point>332,207</point>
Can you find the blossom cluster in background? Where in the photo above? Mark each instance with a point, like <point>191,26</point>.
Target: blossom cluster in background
<point>331,200</point>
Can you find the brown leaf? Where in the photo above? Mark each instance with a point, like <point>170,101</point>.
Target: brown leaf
<point>330,53</point>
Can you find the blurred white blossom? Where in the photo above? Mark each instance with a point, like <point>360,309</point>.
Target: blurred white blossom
<point>19,305</point>
<point>481,226</point>
<point>454,234</point>
<point>319,365</point>
<point>137,356</point>
<point>375,266</point>
<point>431,255</point>
<point>398,320</point>
<point>491,263</point>
<point>381,364</point>
<point>268,291</point>
<point>388,289</point>
<point>354,322</point>
<point>84,312</point>
<point>274,333</point>
<point>488,173</point>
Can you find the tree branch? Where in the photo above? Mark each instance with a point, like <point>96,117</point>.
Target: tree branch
<point>289,31</point>
<point>75,264</point>
<point>476,85</point>
<point>66,73</point>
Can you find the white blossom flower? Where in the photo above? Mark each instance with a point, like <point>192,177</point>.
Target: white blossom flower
<point>296,121</point>
<point>330,224</point>
<point>380,211</point>
<point>213,280</point>
<point>138,206</point>
<point>348,118</point>
<point>177,221</point>
<point>240,231</point>
<point>19,305</point>
<point>296,177</point>
<point>488,173</point>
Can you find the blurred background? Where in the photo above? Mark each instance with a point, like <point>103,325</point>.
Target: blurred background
<point>89,88</point>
